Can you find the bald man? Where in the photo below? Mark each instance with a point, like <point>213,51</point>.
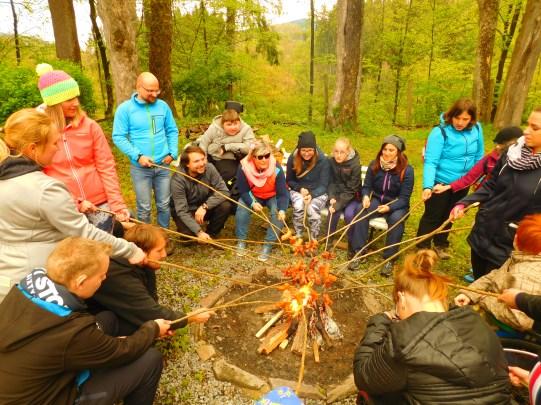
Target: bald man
<point>145,131</point>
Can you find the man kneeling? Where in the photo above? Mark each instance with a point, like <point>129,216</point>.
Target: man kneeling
<point>53,352</point>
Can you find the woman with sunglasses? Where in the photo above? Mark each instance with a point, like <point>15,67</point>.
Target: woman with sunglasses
<point>84,162</point>
<point>261,183</point>
<point>308,178</point>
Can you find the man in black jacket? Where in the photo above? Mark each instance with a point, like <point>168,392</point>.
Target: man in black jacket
<point>54,352</point>
<point>192,203</point>
<point>131,292</point>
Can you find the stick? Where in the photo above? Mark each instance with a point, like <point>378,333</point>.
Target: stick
<point>275,234</point>
<point>304,221</point>
<point>315,346</point>
<point>475,290</point>
<point>271,322</point>
<point>329,226</point>
<point>303,356</point>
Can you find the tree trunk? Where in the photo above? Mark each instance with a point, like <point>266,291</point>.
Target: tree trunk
<point>482,84</point>
<point>65,30</point>
<point>119,21</point>
<point>16,33</point>
<point>400,63</point>
<point>380,64</point>
<point>348,51</point>
<point>159,58</point>
<point>432,35</point>
<point>230,31</point>
<point>100,44</point>
<point>508,35</point>
<point>521,69</point>
<point>312,24</point>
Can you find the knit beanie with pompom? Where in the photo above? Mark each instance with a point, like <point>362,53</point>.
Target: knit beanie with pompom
<point>55,86</point>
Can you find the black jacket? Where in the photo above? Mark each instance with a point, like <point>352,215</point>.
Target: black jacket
<point>506,197</point>
<point>187,195</point>
<point>130,292</point>
<point>41,353</point>
<point>316,180</point>
<point>432,358</point>
<point>345,181</point>
<point>387,186</point>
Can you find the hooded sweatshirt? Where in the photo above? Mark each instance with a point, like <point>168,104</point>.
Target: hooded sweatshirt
<point>345,180</point>
<point>37,212</point>
<point>316,180</point>
<point>48,346</point>
<point>448,159</point>
<point>215,138</point>
<point>148,129</point>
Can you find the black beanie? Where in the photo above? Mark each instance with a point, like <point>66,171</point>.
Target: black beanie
<point>234,105</point>
<point>307,140</point>
<point>507,134</point>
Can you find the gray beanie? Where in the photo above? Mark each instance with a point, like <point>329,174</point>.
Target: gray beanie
<point>395,140</point>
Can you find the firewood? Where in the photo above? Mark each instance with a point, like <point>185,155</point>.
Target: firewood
<point>275,336</point>
<point>296,346</point>
<point>316,351</point>
<point>284,344</point>
<point>261,309</point>
<point>271,322</point>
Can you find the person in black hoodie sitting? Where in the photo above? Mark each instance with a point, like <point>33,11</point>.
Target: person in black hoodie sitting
<point>422,353</point>
<point>131,292</point>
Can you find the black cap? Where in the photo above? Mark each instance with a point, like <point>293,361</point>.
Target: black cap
<point>234,105</point>
<point>306,140</point>
<point>507,134</point>
<point>395,140</point>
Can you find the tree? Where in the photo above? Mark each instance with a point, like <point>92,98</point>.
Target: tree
<point>312,23</point>
<point>65,30</point>
<point>119,21</point>
<point>160,38</point>
<point>482,84</point>
<point>104,61</point>
<point>521,69</point>
<point>15,33</point>
<point>348,59</point>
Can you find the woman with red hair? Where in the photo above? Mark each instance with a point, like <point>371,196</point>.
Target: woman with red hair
<point>422,353</point>
<point>520,271</point>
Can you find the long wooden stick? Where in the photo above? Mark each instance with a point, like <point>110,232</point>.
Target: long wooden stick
<point>215,190</point>
<point>303,356</point>
<point>331,213</point>
<point>274,231</point>
<point>475,290</point>
<point>223,306</point>
<point>306,228</point>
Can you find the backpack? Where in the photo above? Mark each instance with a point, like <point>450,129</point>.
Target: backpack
<point>444,134</point>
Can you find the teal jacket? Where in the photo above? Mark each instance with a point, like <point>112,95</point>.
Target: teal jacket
<point>146,129</point>
<point>449,158</point>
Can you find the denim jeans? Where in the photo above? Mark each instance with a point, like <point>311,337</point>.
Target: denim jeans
<point>243,217</point>
<point>146,179</point>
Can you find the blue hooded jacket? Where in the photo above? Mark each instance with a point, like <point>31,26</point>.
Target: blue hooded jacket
<point>145,128</point>
<point>447,160</point>
<point>316,180</point>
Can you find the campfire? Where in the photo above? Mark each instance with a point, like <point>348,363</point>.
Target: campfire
<point>303,304</point>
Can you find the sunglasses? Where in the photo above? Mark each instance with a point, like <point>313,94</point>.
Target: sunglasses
<point>261,157</point>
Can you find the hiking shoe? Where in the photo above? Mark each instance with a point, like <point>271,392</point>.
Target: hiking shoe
<point>387,269</point>
<point>442,253</point>
<point>469,278</point>
<point>265,252</point>
<point>241,248</point>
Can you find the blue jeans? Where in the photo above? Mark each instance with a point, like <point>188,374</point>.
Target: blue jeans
<point>146,179</point>
<point>243,217</point>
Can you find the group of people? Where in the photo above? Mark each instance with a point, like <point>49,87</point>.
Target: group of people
<point>73,279</point>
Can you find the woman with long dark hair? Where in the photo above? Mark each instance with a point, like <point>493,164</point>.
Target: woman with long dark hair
<point>389,177</point>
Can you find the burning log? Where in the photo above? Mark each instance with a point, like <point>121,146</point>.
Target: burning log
<point>275,336</point>
<point>284,344</point>
<point>271,322</point>
<point>296,346</point>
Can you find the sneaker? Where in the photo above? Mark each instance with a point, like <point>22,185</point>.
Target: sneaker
<point>387,269</point>
<point>265,252</point>
<point>469,278</point>
<point>442,253</point>
<point>241,248</point>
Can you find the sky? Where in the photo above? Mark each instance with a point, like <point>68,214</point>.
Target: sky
<point>38,22</point>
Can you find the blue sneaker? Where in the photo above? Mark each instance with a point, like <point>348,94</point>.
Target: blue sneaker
<point>265,252</point>
<point>241,248</point>
<point>469,277</point>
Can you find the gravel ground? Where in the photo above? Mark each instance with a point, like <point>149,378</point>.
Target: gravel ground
<point>186,379</point>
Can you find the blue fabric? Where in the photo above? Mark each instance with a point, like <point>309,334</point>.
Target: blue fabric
<point>316,181</point>
<point>146,179</point>
<point>348,211</point>
<point>243,217</point>
<point>279,396</point>
<point>143,128</point>
<point>386,186</point>
<point>447,160</point>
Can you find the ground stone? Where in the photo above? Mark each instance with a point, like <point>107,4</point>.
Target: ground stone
<point>373,305</point>
<point>306,391</point>
<point>227,372</point>
<point>205,351</point>
<point>344,390</point>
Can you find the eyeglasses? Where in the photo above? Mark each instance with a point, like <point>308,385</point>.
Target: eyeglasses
<point>157,92</point>
<point>340,152</point>
<point>261,157</point>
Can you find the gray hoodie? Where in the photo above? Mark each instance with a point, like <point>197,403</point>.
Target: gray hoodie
<point>215,137</point>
